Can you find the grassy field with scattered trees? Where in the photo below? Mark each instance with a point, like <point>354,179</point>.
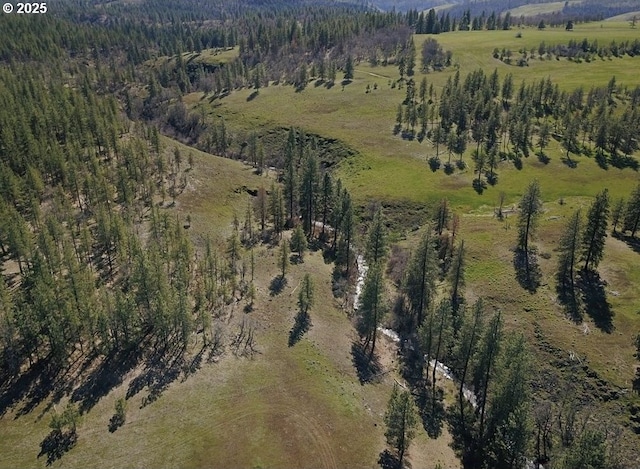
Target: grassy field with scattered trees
<point>308,234</point>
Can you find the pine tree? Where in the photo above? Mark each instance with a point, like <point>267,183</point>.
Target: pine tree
<point>401,419</point>
<point>530,209</point>
<point>443,215</point>
<point>309,192</point>
<point>593,239</point>
<point>456,278</point>
<point>260,206</point>
<point>372,308</point>
<point>299,242</point>
<point>420,283</point>
<point>348,69</point>
<point>276,209</point>
<point>290,175</point>
<point>617,215</point>
<point>376,239</point>
<point>436,337</point>
<point>306,296</point>
<point>568,252</point>
<point>284,258</point>
<point>326,201</point>
<point>347,230</point>
<point>488,351</point>
<point>508,429</point>
<point>247,229</point>
<point>632,214</point>
<point>411,57</point>
<point>467,346</point>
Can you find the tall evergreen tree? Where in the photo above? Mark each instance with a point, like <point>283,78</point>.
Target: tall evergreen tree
<point>306,296</point>
<point>456,278</point>
<point>284,258</point>
<point>377,239</point>
<point>299,242</point>
<point>290,175</point>
<point>465,351</point>
<point>530,210</point>
<point>632,214</point>
<point>401,419</point>
<point>488,351</point>
<point>508,429</point>
<point>372,307</point>
<point>309,192</point>
<point>421,279</point>
<point>617,215</point>
<point>436,338</point>
<point>348,69</point>
<point>568,252</point>
<point>593,238</point>
<point>326,201</point>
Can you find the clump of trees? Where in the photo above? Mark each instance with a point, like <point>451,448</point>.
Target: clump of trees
<point>503,122</point>
<point>434,57</point>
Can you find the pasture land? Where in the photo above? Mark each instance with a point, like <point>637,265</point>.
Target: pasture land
<point>394,172</point>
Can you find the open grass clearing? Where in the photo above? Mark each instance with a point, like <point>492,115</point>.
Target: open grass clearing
<point>389,168</point>
<point>541,8</point>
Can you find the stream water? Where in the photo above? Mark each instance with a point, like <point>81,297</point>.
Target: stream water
<point>393,336</point>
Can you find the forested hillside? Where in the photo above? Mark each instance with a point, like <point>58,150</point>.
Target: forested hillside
<point>218,247</point>
<point>580,10</point>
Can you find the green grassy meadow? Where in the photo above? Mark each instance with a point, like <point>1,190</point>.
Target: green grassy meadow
<point>391,169</point>
<point>394,171</point>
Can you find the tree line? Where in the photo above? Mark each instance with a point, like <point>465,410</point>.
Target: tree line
<point>574,50</point>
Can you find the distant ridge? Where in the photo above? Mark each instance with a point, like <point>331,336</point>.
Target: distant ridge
<point>587,9</point>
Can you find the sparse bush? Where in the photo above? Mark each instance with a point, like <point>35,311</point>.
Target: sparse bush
<point>119,416</point>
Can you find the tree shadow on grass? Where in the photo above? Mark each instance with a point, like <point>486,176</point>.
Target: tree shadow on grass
<point>162,369</point>
<point>624,161</point>
<point>300,327</point>
<point>29,388</point>
<point>569,162</point>
<point>595,301</point>
<point>569,298</point>
<point>115,422</point>
<point>369,369</point>
<point>517,163</point>
<point>432,411</point>
<point>633,243</point>
<point>388,460</point>
<point>192,367</point>
<point>56,444</point>
<point>106,376</point>
<point>434,163</point>
<point>479,186</point>
<point>449,168</point>
<point>277,285</point>
<point>602,161</point>
<point>543,158</point>
<point>528,271</point>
